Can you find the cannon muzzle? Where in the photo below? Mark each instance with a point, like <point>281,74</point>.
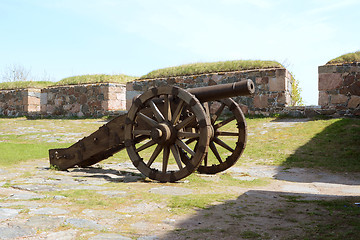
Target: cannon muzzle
<point>216,92</point>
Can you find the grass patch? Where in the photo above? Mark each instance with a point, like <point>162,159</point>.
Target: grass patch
<point>328,144</point>
<point>203,230</point>
<point>25,84</point>
<point>339,220</point>
<point>334,148</point>
<point>250,235</point>
<point>16,153</point>
<point>346,58</point>
<point>82,79</point>
<point>229,180</point>
<point>89,199</point>
<point>96,78</point>
<point>201,68</point>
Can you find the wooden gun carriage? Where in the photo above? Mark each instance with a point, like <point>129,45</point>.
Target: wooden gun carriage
<point>189,127</point>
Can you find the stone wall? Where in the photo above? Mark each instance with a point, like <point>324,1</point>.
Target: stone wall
<point>19,102</point>
<point>89,100</point>
<point>339,89</point>
<point>272,94</point>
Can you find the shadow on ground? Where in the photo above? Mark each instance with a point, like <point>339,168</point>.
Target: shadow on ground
<point>334,150</point>
<point>110,175</point>
<point>272,215</point>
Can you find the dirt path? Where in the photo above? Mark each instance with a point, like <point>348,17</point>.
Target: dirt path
<point>33,203</point>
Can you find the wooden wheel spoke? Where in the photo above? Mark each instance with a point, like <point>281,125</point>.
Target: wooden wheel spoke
<point>149,121</point>
<point>161,131</point>
<point>206,160</point>
<point>217,113</point>
<point>177,112</point>
<point>190,140</point>
<point>142,132</point>
<point>188,135</point>
<point>166,154</point>
<point>167,108</point>
<point>223,123</point>
<point>225,153</point>
<point>158,115</point>
<point>175,151</point>
<point>229,134</point>
<point>215,151</point>
<point>206,107</point>
<point>145,146</point>
<point>184,123</point>
<point>185,147</point>
<point>223,144</point>
<point>154,155</point>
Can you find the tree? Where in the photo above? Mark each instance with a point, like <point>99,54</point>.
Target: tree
<point>15,73</point>
<point>296,92</point>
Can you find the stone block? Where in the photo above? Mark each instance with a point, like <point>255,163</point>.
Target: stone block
<point>329,81</point>
<point>348,80</point>
<point>33,101</point>
<point>131,94</point>
<point>76,108</point>
<point>323,99</point>
<point>217,77</point>
<point>105,105</point>
<point>276,84</point>
<point>244,108</point>
<point>354,88</point>
<point>261,101</point>
<point>355,69</point>
<point>58,102</point>
<point>327,69</point>
<point>50,109</point>
<point>339,99</point>
<point>280,73</point>
<point>354,102</point>
<point>67,107</point>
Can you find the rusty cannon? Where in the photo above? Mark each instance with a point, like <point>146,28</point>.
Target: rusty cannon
<point>169,133</point>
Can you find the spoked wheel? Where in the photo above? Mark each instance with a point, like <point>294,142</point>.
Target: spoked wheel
<point>169,117</point>
<point>229,138</point>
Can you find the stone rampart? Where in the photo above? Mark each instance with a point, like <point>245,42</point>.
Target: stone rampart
<point>339,89</point>
<point>19,102</point>
<point>89,100</point>
<point>272,94</point>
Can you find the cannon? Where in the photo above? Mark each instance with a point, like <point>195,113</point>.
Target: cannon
<point>169,133</point>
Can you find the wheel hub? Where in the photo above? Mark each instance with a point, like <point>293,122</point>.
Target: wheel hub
<point>163,134</point>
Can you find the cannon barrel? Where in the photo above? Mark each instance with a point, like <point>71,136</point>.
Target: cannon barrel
<point>216,92</point>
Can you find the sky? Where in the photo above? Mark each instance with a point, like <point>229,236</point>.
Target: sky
<point>62,38</point>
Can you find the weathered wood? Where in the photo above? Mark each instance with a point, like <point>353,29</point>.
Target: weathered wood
<point>175,123</point>
<point>101,144</point>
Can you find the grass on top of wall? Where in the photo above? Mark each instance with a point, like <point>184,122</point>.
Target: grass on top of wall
<point>82,79</point>
<point>346,58</point>
<point>24,84</point>
<point>201,68</point>
<point>96,78</point>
